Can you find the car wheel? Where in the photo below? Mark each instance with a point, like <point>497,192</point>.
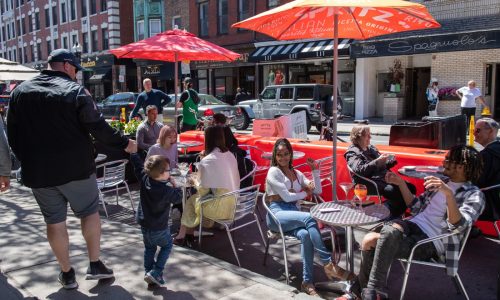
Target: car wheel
<point>242,122</point>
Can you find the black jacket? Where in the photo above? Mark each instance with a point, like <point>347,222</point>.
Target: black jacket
<point>363,163</point>
<point>156,198</point>
<point>490,175</point>
<point>50,120</point>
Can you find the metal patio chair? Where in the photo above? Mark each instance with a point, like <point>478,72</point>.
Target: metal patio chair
<point>245,204</point>
<point>406,263</point>
<point>113,179</point>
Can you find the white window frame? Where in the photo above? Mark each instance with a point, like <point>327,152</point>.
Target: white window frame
<point>175,18</point>
<point>151,21</point>
<point>139,23</point>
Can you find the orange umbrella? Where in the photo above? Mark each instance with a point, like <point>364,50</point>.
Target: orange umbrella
<point>175,45</point>
<point>356,19</point>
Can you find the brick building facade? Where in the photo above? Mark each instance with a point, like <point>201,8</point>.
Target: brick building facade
<point>466,47</point>
<point>30,30</point>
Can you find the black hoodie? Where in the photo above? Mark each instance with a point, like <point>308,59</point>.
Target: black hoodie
<point>491,176</point>
<point>156,198</point>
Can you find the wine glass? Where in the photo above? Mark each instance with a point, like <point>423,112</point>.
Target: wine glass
<point>183,169</point>
<point>361,193</point>
<point>346,187</point>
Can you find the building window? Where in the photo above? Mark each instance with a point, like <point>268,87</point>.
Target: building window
<point>272,3</point>
<point>72,9</point>
<point>140,30</point>
<point>8,31</point>
<point>23,27</point>
<point>56,44</point>
<point>63,12</point>
<point>154,27</point>
<point>32,48</point>
<point>19,32</point>
<point>39,50</point>
<point>49,48</point>
<point>104,5</point>
<point>20,58</point>
<point>47,18</point>
<point>25,56</point>
<point>222,17</point>
<point>105,39</point>
<point>244,10</point>
<point>37,21</point>
<point>65,42</point>
<point>93,7</point>
<point>84,8</point>
<point>14,54</point>
<point>85,41</point>
<point>203,11</point>
<point>74,39</point>
<point>95,40</point>
<point>176,22</point>
<point>54,15</point>
<point>30,23</point>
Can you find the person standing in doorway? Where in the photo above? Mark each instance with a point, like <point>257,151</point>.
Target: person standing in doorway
<point>240,96</point>
<point>432,97</point>
<point>150,96</point>
<point>57,156</point>
<point>469,94</point>
<point>189,102</point>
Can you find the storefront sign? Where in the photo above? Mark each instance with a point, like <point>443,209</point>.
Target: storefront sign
<point>205,64</point>
<point>153,70</point>
<point>428,44</point>
<point>97,61</point>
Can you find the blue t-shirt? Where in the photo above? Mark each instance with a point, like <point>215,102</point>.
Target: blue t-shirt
<point>154,97</point>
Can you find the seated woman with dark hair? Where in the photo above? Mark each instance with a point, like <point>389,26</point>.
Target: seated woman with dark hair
<point>284,187</point>
<point>365,160</point>
<point>218,172</point>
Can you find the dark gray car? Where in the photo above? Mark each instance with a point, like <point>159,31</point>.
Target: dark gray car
<point>112,105</point>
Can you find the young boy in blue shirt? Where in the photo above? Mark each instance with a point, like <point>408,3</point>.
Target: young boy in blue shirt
<point>157,197</point>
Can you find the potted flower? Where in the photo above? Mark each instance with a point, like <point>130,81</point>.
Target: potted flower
<point>117,124</point>
<point>131,127</point>
<point>448,93</point>
<point>397,75</point>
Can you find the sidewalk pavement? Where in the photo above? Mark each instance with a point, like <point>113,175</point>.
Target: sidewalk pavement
<point>29,270</point>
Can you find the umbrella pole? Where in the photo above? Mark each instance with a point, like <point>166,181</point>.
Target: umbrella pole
<point>334,76</point>
<point>176,82</point>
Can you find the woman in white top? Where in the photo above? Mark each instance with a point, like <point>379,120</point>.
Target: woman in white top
<point>284,187</point>
<point>219,174</point>
<point>166,145</point>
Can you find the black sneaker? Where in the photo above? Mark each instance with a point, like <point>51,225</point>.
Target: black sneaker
<point>68,279</point>
<point>97,270</point>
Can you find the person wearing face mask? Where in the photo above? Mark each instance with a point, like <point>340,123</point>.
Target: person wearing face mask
<point>51,120</point>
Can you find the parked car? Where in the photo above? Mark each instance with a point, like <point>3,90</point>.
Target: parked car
<point>278,100</point>
<point>209,105</point>
<point>112,105</point>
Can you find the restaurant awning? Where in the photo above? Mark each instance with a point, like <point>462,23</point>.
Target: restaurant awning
<point>309,49</point>
<point>462,34</point>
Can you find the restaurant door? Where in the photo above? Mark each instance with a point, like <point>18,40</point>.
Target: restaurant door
<point>417,80</point>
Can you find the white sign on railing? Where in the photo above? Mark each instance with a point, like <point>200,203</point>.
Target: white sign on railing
<point>288,126</point>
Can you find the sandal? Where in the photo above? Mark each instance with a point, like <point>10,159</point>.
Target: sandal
<point>333,271</point>
<point>309,289</point>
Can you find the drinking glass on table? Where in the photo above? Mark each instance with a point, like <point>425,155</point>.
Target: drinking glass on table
<point>183,169</point>
<point>346,187</point>
<point>361,193</point>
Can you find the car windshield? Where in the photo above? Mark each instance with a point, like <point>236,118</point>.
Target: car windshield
<point>210,100</point>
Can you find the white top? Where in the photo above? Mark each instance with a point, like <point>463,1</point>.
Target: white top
<point>469,96</point>
<point>278,184</point>
<point>432,219</point>
<point>219,170</point>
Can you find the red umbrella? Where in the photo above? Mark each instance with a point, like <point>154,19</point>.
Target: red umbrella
<point>175,45</point>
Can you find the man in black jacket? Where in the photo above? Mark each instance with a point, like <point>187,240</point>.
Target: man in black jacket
<point>485,134</point>
<point>50,120</point>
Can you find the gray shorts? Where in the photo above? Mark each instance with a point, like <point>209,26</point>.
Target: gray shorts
<point>82,195</point>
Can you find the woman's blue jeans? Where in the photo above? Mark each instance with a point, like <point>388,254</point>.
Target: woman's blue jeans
<point>302,226</point>
<point>153,239</point>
